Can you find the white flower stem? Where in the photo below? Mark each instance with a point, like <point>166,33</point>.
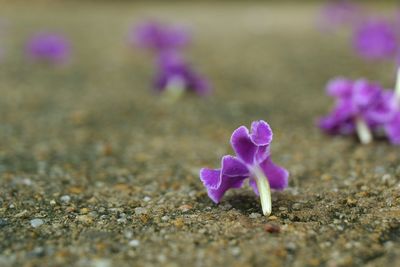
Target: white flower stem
<point>363,131</point>
<point>264,190</point>
<point>397,89</point>
<point>175,89</point>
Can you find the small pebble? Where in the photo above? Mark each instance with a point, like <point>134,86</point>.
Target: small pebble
<point>255,215</point>
<point>36,223</point>
<point>134,243</point>
<point>165,218</point>
<point>140,211</point>
<point>272,228</point>
<point>65,199</point>
<point>235,251</point>
<point>146,199</point>
<point>185,208</point>
<point>296,206</point>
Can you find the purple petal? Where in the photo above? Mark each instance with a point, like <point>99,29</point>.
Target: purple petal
<point>253,184</point>
<point>393,130</point>
<point>232,167</point>
<point>276,175</point>
<point>340,87</point>
<point>172,68</point>
<point>243,145</point>
<point>159,37</point>
<point>375,39</point>
<point>261,133</point>
<point>210,178</point>
<point>339,121</point>
<point>227,183</point>
<point>365,93</point>
<point>49,47</point>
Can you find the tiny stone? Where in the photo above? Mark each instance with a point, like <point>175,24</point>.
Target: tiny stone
<point>3,223</point>
<point>36,223</point>
<point>134,243</point>
<point>128,234</point>
<point>235,251</point>
<point>146,199</point>
<point>282,208</point>
<point>165,218</point>
<point>272,218</point>
<point>291,246</point>
<point>53,202</point>
<point>185,208</point>
<point>272,228</point>
<point>140,211</point>
<point>65,199</point>
<point>21,214</point>
<point>296,206</point>
<point>254,215</point>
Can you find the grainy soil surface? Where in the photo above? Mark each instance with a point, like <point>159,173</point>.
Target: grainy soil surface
<point>95,170</point>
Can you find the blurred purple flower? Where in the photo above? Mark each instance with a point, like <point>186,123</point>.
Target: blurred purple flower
<point>361,106</point>
<point>253,161</point>
<point>392,128</point>
<point>175,74</point>
<point>49,47</point>
<point>335,14</point>
<point>159,37</point>
<point>376,39</point>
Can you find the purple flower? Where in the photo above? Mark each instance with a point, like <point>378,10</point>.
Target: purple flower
<point>361,106</point>
<point>392,129</point>
<point>159,37</point>
<point>253,161</point>
<point>49,47</point>
<point>376,39</point>
<point>338,13</point>
<point>175,74</point>
<point>392,123</point>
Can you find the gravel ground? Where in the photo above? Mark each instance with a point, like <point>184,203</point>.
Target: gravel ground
<point>97,171</point>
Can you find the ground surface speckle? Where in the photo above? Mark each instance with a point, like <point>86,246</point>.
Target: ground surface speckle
<point>97,171</point>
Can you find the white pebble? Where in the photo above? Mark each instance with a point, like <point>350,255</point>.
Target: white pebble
<point>146,199</point>
<point>254,215</point>
<point>65,198</point>
<point>140,210</point>
<point>134,243</point>
<point>36,223</point>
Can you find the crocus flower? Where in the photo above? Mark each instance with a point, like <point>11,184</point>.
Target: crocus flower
<point>252,161</point>
<point>49,47</point>
<point>361,106</point>
<point>376,39</point>
<point>159,37</point>
<point>392,124</point>
<point>338,13</point>
<point>176,76</point>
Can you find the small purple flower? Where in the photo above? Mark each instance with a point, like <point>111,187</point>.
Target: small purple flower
<point>361,106</point>
<point>253,161</point>
<point>392,129</point>
<point>376,39</point>
<point>159,37</point>
<point>338,13</point>
<point>392,123</point>
<point>49,47</point>
<point>176,75</point>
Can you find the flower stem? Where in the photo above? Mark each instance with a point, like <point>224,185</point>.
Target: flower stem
<point>174,90</point>
<point>264,190</point>
<point>363,131</point>
<point>397,89</point>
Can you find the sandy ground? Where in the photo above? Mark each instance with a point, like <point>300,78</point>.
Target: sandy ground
<point>97,171</point>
